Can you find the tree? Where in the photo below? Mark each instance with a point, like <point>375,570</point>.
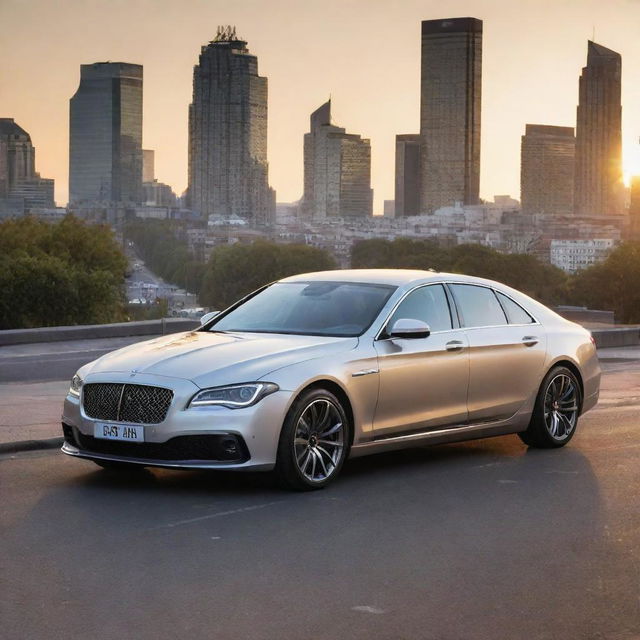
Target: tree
<point>236,270</point>
<point>56,274</point>
<point>612,284</point>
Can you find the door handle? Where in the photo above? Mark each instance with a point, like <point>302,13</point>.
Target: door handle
<point>454,345</point>
<point>530,341</point>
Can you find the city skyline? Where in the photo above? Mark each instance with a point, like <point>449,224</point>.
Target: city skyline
<point>376,93</point>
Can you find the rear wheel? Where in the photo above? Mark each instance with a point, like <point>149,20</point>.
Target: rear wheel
<point>555,415</point>
<point>314,441</point>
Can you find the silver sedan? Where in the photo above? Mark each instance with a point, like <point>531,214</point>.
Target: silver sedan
<point>316,368</point>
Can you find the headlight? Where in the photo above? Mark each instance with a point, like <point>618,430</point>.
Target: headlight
<point>235,396</point>
<point>76,386</point>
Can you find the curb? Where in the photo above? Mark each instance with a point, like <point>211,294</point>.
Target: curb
<point>31,445</point>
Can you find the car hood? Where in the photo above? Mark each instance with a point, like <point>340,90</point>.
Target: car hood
<point>212,359</point>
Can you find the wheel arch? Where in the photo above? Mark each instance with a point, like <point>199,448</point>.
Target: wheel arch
<point>338,391</point>
<point>576,372</point>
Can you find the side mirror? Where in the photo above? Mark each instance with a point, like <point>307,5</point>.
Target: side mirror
<point>208,316</point>
<point>409,328</point>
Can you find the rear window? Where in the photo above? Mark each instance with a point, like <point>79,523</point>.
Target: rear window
<point>478,306</point>
<point>515,313</point>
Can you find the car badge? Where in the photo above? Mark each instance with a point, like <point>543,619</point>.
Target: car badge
<point>133,372</point>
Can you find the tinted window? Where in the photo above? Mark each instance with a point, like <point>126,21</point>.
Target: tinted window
<point>515,313</point>
<point>428,304</point>
<point>309,308</point>
<point>478,306</point>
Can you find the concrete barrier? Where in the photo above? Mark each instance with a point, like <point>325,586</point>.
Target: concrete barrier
<point>615,337</point>
<point>620,337</point>
<point>86,332</point>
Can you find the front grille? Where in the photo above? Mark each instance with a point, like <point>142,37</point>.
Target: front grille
<point>135,403</point>
<point>219,447</point>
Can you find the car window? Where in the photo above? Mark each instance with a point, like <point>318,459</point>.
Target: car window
<point>428,304</point>
<point>478,306</point>
<point>515,313</point>
<point>308,308</point>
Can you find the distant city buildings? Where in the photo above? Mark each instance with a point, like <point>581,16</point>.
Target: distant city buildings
<point>148,165</point>
<point>450,101</point>
<point>407,191</point>
<point>574,255</point>
<point>598,173</point>
<point>105,128</point>
<point>21,187</point>
<point>228,171</point>
<point>547,166</point>
<point>337,170</point>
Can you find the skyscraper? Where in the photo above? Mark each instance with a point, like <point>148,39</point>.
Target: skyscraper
<point>450,101</point>
<point>598,175</point>
<point>407,193</point>
<point>547,165</point>
<point>337,170</point>
<point>228,171</point>
<point>105,154</point>
<point>21,187</point>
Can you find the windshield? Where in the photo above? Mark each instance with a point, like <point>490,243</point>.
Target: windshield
<point>342,309</point>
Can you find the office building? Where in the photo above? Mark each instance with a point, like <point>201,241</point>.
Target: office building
<point>599,189</point>
<point>337,170</point>
<point>547,166</point>
<point>228,170</point>
<point>450,102</point>
<point>105,135</point>
<point>21,187</point>
<point>407,191</point>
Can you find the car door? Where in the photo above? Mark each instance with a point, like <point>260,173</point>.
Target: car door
<point>507,350</point>
<point>423,381</point>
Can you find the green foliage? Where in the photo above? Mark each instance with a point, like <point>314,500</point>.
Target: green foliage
<point>165,252</point>
<point>523,272</point>
<point>57,274</point>
<point>236,270</point>
<point>612,284</point>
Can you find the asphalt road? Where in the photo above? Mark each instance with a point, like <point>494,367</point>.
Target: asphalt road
<point>472,541</point>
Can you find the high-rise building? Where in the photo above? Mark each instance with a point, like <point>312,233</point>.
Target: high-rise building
<point>105,151</point>
<point>228,170</point>
<point>599,188</point>
<point>337,170</point>
<point>547,165</point>
<point>21,187</point>
<point>450,102</point>
<point>407,193</point>
<point>634,207</point>
<point>148,165</point>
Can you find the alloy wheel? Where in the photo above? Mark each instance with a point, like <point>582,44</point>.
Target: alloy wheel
<point>561,406</point>
<point>319,440</point>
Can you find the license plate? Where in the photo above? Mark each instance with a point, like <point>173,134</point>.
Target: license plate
<point>118,432</point>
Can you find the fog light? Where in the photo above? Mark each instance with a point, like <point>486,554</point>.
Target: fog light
<point>230,448</point>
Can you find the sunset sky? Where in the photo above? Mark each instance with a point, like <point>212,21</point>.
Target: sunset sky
<point>364,53</point>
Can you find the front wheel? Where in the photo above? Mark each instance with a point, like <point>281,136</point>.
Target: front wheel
<point>314,441</point>
<point>555,414</point>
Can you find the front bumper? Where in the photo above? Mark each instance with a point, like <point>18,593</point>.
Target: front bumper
<point>176,442</point>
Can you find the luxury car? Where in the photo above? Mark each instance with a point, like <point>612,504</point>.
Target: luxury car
<point>313,369</point>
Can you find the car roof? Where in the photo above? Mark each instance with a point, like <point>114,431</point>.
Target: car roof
<point>396,277</point>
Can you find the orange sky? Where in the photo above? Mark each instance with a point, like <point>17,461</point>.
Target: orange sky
<point>365,53</point>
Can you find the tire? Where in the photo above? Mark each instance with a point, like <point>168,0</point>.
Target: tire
<point>555,415</point>
<point>314,442</point>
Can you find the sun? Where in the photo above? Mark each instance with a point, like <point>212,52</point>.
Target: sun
<point>631,163</point>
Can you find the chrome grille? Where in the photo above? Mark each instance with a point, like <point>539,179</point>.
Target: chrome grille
<point>135,403</point>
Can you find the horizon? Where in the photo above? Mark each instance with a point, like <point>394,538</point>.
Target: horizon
<point>376,101</point>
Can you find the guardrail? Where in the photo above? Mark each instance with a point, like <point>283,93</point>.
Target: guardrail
<point>89,331</point>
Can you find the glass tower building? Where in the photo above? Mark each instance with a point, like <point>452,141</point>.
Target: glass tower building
<point>105,125</point>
